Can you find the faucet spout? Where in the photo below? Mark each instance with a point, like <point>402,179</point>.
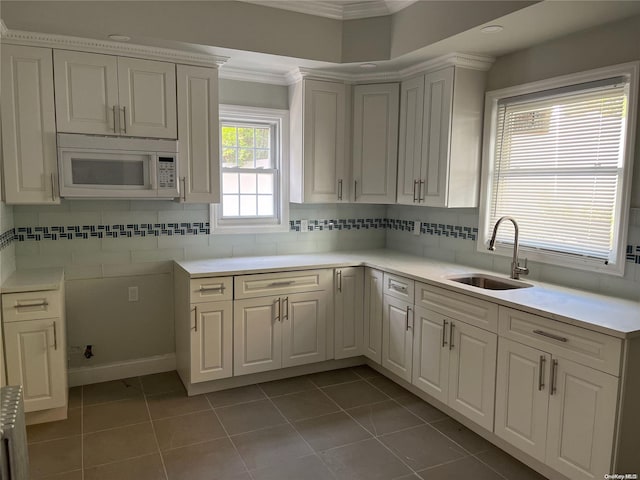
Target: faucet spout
<point>516,269</point>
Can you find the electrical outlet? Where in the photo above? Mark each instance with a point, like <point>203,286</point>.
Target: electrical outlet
<point>133,294</point>
<point>304,226</point>
<point>416,227</point>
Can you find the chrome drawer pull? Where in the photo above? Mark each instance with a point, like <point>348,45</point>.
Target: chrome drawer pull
<point>451,327</point>
<point>543,360</point>
<point>282,284</point>
<point>408,312</point>
<point>55,337</point>
<point>551,335</point>
<point>397,288</point>
<point>25,305</point>
<point>554,376</point>
<point>339,275</point>
<point>212,289</point>
<point>444,333</point>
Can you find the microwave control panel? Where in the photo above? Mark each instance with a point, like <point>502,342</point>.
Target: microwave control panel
<point>166,172</point>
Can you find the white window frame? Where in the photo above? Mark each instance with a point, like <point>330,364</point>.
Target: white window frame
<point>280,119</point>
<point>627,70</point>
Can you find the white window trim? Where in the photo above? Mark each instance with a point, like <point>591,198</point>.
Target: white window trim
<point>628,70</point>
<point>251,226</point>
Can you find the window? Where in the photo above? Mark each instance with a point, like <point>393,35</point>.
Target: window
<point>558,158</point>
<point>254,176</point>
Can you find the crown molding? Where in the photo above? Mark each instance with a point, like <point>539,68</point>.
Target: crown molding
<point>321,9</point>
<point>64,42</point>
<point>339,11</point>
<point>256,76</point>
<point>3,28</point>
<point>470,61</point>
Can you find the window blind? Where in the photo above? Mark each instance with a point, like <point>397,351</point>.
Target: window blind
<point>558,169</point>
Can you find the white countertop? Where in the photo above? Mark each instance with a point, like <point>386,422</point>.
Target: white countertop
<point>610,315</point>
<point>34,279</point>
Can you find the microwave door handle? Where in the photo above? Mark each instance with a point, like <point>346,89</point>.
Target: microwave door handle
<point>153,171</point>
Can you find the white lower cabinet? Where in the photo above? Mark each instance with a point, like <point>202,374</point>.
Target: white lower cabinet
<point>373,307</point>
<point>455,363</point>
<point>397,336</point>
<point>36,360</point>
<point>211,341</point>
<point>560,412</point>
<point>286,329</point>
<point>348,298</point>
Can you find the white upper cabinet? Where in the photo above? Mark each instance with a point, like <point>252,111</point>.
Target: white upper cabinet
<point>108,95</point>
<point>318,142</point>
<point>198,134</point>
<point>147,92</point>
<point>28,126</point>
<point>375,141</point>
<point>440,138</point>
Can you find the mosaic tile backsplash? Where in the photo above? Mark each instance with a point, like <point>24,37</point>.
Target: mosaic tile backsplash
<point>40,233</point>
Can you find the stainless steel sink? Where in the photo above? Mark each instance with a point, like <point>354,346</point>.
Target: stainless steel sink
<point>488,282</point>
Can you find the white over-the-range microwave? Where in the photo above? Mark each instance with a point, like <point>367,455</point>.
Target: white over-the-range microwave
<point>117,167</point>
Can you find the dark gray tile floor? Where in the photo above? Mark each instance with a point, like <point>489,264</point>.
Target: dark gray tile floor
<point>351,424</point>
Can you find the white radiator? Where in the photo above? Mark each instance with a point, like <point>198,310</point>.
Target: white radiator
<point>14,457</point>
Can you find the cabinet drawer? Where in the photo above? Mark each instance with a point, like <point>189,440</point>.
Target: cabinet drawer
<point>468,309</point>
<point>265,284</point>
<point>211,289</point>
<point>17,307</point>
<point>589,348</point>
<point>398,287</point>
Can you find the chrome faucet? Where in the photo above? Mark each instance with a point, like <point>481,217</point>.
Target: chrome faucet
<point>516,269</point>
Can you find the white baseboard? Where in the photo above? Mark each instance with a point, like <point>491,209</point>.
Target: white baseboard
<point>118,370</point>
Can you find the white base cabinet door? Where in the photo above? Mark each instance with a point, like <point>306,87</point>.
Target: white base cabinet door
<point>28,126</point>
<point>348,298</point>
<point>212,341</point>
<point>36,359</point>
<point>257,335</point>
<point>582,415</point>
<point>472,372</point>
<point>304,328</point>
<point>431,354</point>
<point>373,307</point>
<point>522,397</point>
<point>397,337</point>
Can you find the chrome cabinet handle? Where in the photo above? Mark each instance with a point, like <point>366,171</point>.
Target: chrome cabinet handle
<point>397,287</point>
<point>113,111</point>
<point>543,360</point>
<point>53,188</point>
<point>124,120</point>
<point>355,189</point>
<point>451,327</point>
<point>183,180</point>
<point>285,315</point>
<point>212,289</point>
<point>408,311</point>
<point>44,303</point>
<point>282,284</point>
<point>195,318</point>
<point>340,189</point>
<point>554,376</point>
<point>277,317</point>
<point>420,191</point>
<point>551,335</point>
<point>444,333</point>
<point>339,278</point>
<point>415,197</point>
<point>55,336</point>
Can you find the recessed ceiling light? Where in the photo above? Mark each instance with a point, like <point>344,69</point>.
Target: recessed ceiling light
<point>492,29</point>
<point>368,65</point>
<point>119,38</point>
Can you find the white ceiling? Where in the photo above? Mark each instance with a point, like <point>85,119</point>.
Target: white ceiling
<point>338,9</point>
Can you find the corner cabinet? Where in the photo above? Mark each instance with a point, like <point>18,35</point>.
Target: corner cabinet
<point>318,142</point>
<point>108,95</point>
<point>198,134</point>
<point>35,347</point>
<point>28,126</point>
<point>348,299</point>
<point>440,138</point>
<point>373,306</point>
<point>375,142</point>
